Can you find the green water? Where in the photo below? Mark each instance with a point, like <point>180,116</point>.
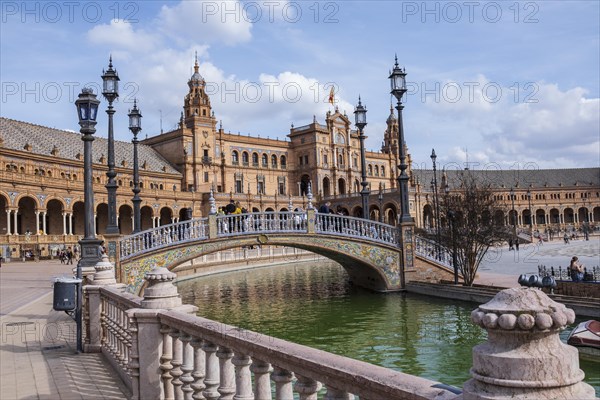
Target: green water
<point>317,306</point>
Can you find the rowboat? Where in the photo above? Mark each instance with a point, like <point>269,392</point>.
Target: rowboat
<point>586,337</point>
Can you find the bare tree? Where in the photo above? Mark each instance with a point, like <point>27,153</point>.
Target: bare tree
<point>473,222</point>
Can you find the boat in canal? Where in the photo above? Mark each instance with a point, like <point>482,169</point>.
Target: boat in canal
<point>586,337</point>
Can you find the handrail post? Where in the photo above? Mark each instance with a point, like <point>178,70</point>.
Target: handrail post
<point>311,220</point>
<point>212,226</point>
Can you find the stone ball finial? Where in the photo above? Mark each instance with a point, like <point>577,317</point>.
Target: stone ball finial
<point>161,292</point>
<point>523,309</point>
<point>105,273</point>
<point>523,357</point>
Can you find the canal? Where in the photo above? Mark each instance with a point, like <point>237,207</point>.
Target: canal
<point>316,305</point>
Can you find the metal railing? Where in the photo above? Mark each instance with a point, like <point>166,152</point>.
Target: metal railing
<point>590,274</point>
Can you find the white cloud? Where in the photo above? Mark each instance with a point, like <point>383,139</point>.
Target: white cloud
<point>527,122</point>
<point>206,21</point>
<point>119,34</point>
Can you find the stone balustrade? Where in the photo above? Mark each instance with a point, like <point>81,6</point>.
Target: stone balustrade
<point>162,350</point>
<point>212,359</point>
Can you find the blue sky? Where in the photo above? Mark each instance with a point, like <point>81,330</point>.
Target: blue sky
<point>503,84</point>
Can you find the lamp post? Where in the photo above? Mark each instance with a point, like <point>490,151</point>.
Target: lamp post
<point>135,126</point>
<point>530,214</point>
<point>398,85</point>
<point>87,111</point>
<point>360,115</point>
<point>110,91</point>
<point>514,216</point>
<point>397,79</point>
<point>436,205</point>
<point>380,198</point>
<point>452,223</point>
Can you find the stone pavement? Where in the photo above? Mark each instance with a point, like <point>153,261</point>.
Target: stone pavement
<point>38,357</point>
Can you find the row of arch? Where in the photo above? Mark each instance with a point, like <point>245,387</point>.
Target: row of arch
<point>525,217</point>
<point>245,156</point>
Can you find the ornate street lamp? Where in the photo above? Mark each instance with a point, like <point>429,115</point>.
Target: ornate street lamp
<point>436,205</point>
<point>398,85</point>
<point>135,126</point>
<point>87,111</point>
<point>398,88</point>
<point>360,115</point>
<point>110,91</point>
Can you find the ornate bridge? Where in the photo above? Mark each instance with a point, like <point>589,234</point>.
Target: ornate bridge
<point>368,250</point>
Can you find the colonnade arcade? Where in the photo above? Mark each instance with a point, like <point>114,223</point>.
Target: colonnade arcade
<point>29,215</point>
<point>551,217</point>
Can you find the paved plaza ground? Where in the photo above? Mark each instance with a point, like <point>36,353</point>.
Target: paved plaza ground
<point>38,358</point>
<point>502,267</point>
<point>37,352</point>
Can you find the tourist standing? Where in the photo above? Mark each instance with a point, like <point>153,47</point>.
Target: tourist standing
<point>576,269</point>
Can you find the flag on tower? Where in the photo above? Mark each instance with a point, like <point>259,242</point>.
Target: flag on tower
<point>331,96</point>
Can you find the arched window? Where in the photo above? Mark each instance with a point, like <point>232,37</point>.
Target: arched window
<point>265,161</point>
<point>245,158</point>
<point>283,162</point>
<point>273,161</point>
<point>235,157</point>
<point>376,170</point>
<point>370,170</point>
<point>382,170</point>
<point>255,159</point>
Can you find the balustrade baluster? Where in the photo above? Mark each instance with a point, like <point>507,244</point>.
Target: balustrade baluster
<point>212,371</point>
<point>199,369</point>
<point>262,380</point>
<point>335,394</point>
<point>176,363</point>
<point>104,323</point>
<point>307,388</point>
<point>120,334</point>
<point>283,384</point>
<point>243,378</point>
<point>165,363</point>
<point>227,374</point>
<point>187,366</point>
<point>133,366</point>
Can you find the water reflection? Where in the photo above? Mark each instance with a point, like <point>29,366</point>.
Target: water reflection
<point>316,305</point>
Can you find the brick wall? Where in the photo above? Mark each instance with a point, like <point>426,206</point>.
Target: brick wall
<point>580,289</point>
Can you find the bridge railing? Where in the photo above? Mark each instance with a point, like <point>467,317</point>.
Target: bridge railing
<point>431,250</point>
<point>334,224</point>
<point>268,221</point>
<point>164,236</point>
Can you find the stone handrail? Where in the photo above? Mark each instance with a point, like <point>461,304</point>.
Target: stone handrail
<point>213,359</point>
<point>163,351</point>
<point>108,326</point>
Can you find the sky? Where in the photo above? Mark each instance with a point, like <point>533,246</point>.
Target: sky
<point>500,85</point>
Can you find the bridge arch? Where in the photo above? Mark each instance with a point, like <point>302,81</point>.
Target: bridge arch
<point>367,250</point>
